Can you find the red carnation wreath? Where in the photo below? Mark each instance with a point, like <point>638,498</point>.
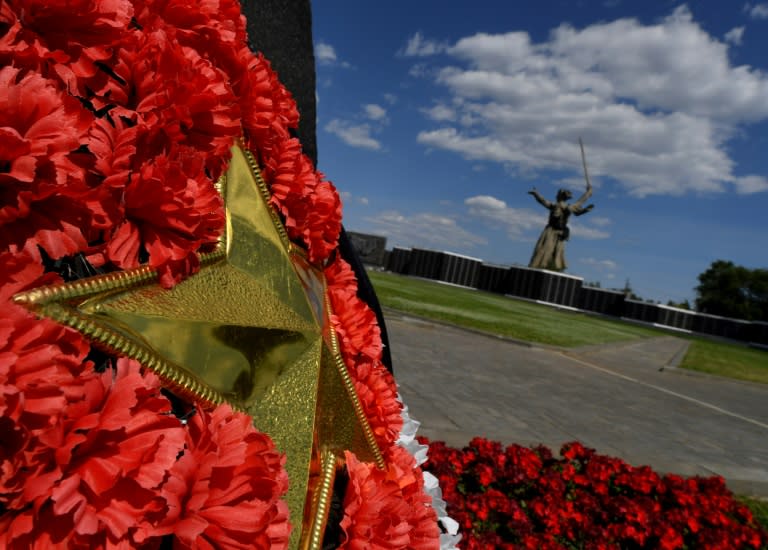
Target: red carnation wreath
<point>116,119</point>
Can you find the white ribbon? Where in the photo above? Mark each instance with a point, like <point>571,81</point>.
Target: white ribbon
<point>450,538</point>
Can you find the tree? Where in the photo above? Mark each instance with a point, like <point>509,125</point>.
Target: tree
<point>732,290</point>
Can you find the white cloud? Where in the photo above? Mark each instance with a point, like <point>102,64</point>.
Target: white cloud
<point>361,134</point>
<point>578,229</point>
<point>521,223</point>
<point>672,66</point>
<point>325,53</point>
<point>390,98</point>
<point>354,135</point>
<point>418,46</point>
<point>477,148</point>
<point>363,200</point>
<point>424,229</point>
<point>486,203</point>
<point>747,185</point>
<point>735,36</point>
<point>375,112</point>
<point>655,104</point>
<point>419,70</point>
<point>440,112</point>
<point>494,51</point>
<point>757,11</point>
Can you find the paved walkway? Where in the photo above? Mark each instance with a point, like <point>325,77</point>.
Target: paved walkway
<point>625,400</point>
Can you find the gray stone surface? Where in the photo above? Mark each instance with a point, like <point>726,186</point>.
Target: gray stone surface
<point>370,248</point>
<point>625,400</point>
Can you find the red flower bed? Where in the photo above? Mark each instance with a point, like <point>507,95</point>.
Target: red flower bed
<point>520,497</point>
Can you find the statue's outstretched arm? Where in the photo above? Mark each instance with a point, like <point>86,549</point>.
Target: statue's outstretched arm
<point>541,200</point>
<point>582,199</point>
<point>578,210</point>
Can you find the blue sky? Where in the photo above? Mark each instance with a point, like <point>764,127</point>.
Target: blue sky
<point>435,119</point>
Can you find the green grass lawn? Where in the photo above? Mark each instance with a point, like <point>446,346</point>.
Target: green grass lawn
<point>724,359</point>
<point>500,315</point>
<point>533,322</point>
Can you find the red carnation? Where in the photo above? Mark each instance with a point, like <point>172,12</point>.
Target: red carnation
<point>291,180</point>
<point>171,209</point>
<point>355,322</point>
<point>340,275</point>
<point>40,364</point>
<point>43,196</point>
<point>67,39</point>
<point>376,390</point>
<point>21,271</point>
<point>323,224</point>
<point>221,18</point>
<point>226,487</point>
<point>215,29</point>
<point>361,348</point>
<point>268,108</point>
<point>22,47</point>
<point>387,508</point>
<point>309,205</point>
<point>179,98</point>
<point>109,451</point>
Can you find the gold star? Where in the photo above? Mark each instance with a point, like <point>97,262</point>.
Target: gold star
<point>250,328</point>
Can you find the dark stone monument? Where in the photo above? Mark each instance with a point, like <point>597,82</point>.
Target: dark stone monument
<point>399,260</point>
<point>370,248</point>
<point>675,317</point>
<point>525,282</point>
<point>602,300</point>
<point>493,278</point>
<point>724,327</point>
<point>641,311</point>
<point>560,289</point>
<point>459,270</point>
<point>544,286</point>
<point>426,263</point>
